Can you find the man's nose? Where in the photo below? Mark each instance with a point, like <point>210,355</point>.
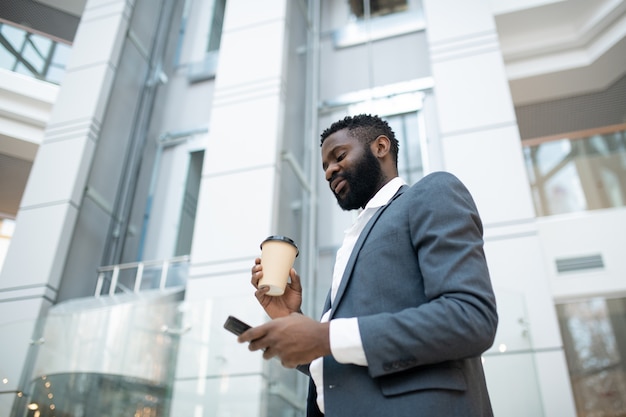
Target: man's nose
<point>331,170</point>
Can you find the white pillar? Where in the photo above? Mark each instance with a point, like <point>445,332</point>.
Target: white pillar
<point>237,204</point>
<point>480,142</point>
<point>45,222</point>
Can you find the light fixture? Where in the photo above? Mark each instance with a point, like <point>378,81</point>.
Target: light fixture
<point>33,406</point>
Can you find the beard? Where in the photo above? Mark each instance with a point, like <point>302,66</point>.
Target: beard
<point>363,180</point>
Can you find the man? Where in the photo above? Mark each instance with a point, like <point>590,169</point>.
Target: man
<point>411,307</point>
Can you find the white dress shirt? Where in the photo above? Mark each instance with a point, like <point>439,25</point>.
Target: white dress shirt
<point>345,339</point>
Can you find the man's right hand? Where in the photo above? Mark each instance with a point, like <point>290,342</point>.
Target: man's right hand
<point>278,306</point>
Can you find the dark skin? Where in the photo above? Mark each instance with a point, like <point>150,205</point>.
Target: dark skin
<point>292,337</point>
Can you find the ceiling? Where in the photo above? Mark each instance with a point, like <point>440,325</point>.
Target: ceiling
<point>563,48</point>
<point>73,7</point>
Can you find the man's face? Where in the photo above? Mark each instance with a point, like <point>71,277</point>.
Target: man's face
<point>353,172</point>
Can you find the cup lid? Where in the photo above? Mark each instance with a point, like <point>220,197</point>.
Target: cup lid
<point>284,239</point>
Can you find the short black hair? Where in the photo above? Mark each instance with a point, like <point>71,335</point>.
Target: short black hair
<point>365,128</point>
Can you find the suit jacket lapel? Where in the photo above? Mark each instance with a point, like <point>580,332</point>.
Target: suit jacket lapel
<point>347,274</point>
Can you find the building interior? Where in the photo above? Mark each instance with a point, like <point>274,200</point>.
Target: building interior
<point>148,146</point>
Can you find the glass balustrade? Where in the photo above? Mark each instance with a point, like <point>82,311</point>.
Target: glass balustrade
<point>510,365</point>
<point>578,172</point>
<point>32,54</point>
<point>154,354</point>
<point>150,355</point>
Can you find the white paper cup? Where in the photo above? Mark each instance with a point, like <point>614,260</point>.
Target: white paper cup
<point>278,254</point>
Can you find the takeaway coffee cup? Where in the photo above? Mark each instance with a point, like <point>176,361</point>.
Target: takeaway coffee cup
<point>278,254</point>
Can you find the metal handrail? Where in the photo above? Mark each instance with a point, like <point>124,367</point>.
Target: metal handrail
<point>140,267</point>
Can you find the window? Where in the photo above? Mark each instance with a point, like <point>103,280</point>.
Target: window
<point>206,68</point>
<point>408,132</point>
<point>31,54</point>
<point>578,172</point>
<point>217,22</point>
<point>189,204</point>
<point>377,7</point>
<point>594,340</point>
<point>382,19</point>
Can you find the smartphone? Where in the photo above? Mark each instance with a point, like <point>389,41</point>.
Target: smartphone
<point>235,326</point>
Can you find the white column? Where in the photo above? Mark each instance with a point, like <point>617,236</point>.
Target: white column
<point>45,223</point>
<point>238,199</point>
<point>481,144</point>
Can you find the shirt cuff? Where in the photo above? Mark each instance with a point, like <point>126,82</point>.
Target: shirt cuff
<point>345,341</point>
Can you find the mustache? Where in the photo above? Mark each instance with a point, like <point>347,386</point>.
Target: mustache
<point>344,176</point>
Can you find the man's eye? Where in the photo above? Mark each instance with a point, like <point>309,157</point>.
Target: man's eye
<point>341,157</point>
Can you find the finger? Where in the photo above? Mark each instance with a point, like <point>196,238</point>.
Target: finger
<point>258,345</point>
<point>295,280</point>
<point>288,364</point>
<point>261,293</point>
<point>268,353</point>
<point>257,265</point>
<point>249,335</point>
<point>257,274</point>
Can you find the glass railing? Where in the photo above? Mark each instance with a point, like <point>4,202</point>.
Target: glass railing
<point>157,355</point>
<point>579,171</point>
<point>510,364</point>
<point>141,276</point>
<point>32,54</point>
<point>153,355</point>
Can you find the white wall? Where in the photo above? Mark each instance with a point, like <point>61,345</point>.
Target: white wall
<point>25,106</point>
<point>600,232</point>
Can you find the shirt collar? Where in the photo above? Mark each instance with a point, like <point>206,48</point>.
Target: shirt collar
<point>385,194</point>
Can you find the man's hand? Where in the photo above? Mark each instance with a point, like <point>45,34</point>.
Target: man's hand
<point>294,339</point>
<point>278,306</point>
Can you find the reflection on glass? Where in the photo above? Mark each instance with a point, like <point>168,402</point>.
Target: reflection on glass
<point>595,343</point>
<point>91,394</point>
<point>573,175</point>
<point>149,355</point>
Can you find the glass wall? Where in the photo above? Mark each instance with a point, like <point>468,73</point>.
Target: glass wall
<point>578,172</point>
<point>513,353</point>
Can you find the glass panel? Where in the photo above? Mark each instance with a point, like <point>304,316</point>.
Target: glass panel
<point>512,353</point>
<point>572,175</point>
<point>190,204</point>
<point>594,338</point>
<point>150,355</point>
<point>35,62</point>
<point>32,54</point>
<point>215,32</point>
<point>407,130</point>
<point>377,7</point>
<point>14,36</point>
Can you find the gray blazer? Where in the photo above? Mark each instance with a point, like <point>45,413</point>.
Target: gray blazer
<point>418,282</point>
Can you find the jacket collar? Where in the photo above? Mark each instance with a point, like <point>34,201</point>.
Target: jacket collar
<point>347,274</point>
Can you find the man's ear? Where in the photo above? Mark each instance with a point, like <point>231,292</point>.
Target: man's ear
<point>381,146</point>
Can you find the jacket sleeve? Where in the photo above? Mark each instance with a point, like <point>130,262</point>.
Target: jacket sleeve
<point>456,317</point>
